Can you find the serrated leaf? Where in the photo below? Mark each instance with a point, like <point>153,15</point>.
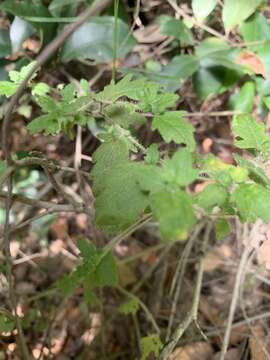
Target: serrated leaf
<point>125,87</point>
<point>235,12</point>
<point>40,89</point>
<point>173,127</point>
<point>213,195</point>
<point>7,88</point>
<point>174,212</point>
<point>222,228</point>
<point>121,115</point>
<point>250,134</point>
<point>129,307</point>
<point>252,202</point>
<point>105,273</point>
<point>179,169</point>
<point>203,8</point>
<point>45,123</point>
<point>94,40</point>
<point>256,173</point>
<point>150,344</point>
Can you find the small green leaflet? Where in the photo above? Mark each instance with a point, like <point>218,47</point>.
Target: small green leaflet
<point>8,88</point>
<point>122,115</point>
<point>235,12</point>
<point>250,134</point>
<point>173,127</point>
<point>179,169</point>
<point>129,307</point>
<point>174,212</point>
<point>213,195</point>
<point>98,269</point>
<point>222,228</point>
<point>202,8</point>
<point>150,344</point>
<point>7,324</point>
<point>252,202</point>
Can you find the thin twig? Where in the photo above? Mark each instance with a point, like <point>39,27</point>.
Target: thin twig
<point>235,296</point>
<point>192,315</point>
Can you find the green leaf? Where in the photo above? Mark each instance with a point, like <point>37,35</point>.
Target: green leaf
<point>152,155</point>
<point>222,228</point>
<point>105,273</point>
<point>256,28</point>
<point>125,87</point>
<point>116,187</point>
<point>252,202</point>
<point>256,173</point>
<point>45,123</point>
<point>25,9</point>
<point>150,344</point>
<point>203,8</point>
<point>7,88</point>
<point>235,12</point>
<point>40,89</point>
<point>213,195</point>
<point>7,324</point>
<point>57,7</point>
<point>123,116</point>
<point>250,134</point>
<point>243,100</point>
<point>20,30</point>
<point>5,46</point>
<point>129,307</point>
<point>179,169</point>
<point>173,127</point>
<point>173,210</point>
<point>94,40</point>
<point>177,29</point>
<point>176,72</point>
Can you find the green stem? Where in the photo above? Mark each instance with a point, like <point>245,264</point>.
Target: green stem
<point>115,38</point>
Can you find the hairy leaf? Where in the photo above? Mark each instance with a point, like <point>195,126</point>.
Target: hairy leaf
<point>173,127</point>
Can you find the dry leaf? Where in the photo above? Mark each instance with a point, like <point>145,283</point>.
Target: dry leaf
<point>126,275</point>
<point>206,145</point>
<point>195,351</point>
<point>149,34</point>
<point>253,62</point>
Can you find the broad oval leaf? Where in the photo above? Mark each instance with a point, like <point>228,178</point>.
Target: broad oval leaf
<point>94,40</point>
<point>202,8</point>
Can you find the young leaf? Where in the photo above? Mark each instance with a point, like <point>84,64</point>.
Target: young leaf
<point>252,202</point>
<point>150,344</point>
<point>203,8</point>
<point>174,212</point>
<point>235,12</point>
<point>250,134</point>
<point>173,127</point>
<point>129,307</point>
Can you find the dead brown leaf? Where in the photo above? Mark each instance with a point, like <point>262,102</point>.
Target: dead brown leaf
<point>195,351</point>
<point>253,62</point>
